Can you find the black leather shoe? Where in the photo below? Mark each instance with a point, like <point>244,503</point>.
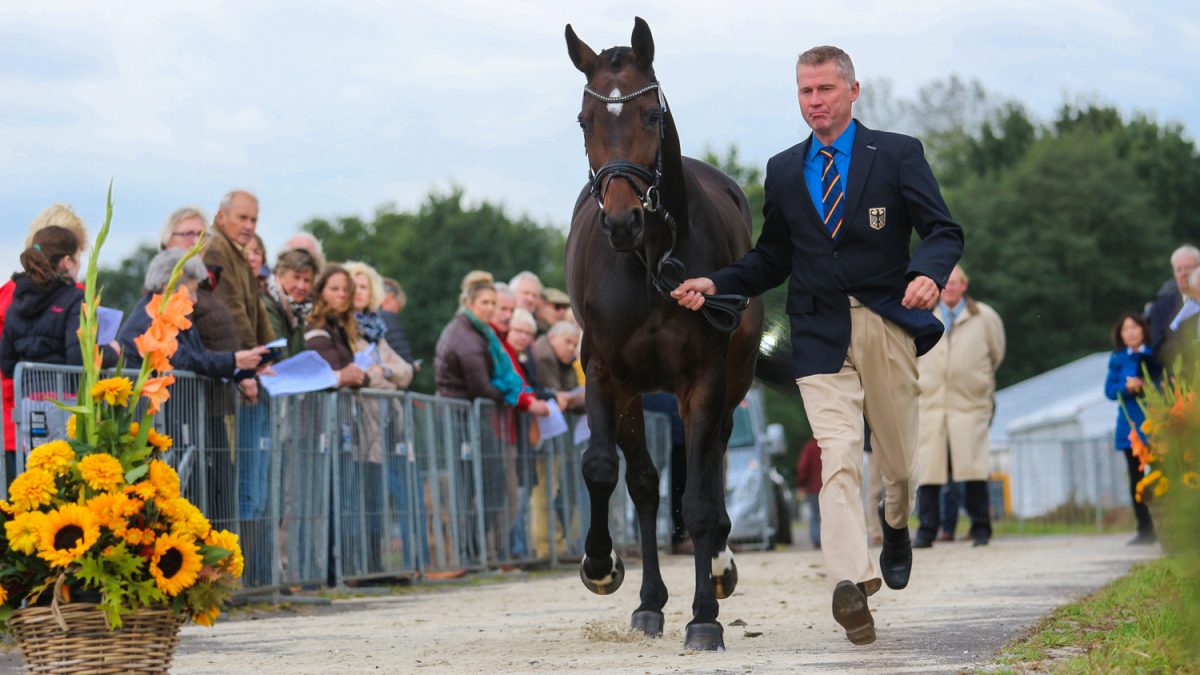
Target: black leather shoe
<point>851,611</point>
<point>895,559</point>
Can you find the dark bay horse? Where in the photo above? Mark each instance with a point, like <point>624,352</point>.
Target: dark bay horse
<point>648,217</point>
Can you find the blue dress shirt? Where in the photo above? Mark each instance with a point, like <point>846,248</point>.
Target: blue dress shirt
<point>814,164</point>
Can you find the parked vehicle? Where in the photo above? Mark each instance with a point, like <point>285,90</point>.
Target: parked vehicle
<point>758,499</point>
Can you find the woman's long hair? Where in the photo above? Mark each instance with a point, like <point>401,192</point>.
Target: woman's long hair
<point>322,313</point>
<point>47,250</point>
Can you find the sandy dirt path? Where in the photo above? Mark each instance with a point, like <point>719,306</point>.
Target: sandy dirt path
<point>962,605</point>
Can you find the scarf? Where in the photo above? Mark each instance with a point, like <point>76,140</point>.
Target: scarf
<point>296,313</point>
<point>371,326</point>
<point>504,376</point>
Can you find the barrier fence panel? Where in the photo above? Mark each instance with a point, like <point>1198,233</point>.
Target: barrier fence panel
<point>373,513</point>
<point>1069,482</point>
<point>303,439</point>
<point>444,453</point>
<point>37,419</point>
<point>508,475</point>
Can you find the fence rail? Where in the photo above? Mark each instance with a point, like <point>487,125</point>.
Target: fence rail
<point>336,487</point>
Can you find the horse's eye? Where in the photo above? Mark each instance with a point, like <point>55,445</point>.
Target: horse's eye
<point>654,117</point>
<point>584,125</point>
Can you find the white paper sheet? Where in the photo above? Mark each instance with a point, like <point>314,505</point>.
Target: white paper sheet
<point>108,320</point>
<point>280,343</point>
<point>583,432</point>
<point>367,357</point>
<point>304,372</point>
<point>554,424</point>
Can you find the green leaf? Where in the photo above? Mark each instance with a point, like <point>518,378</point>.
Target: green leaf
<point>134,474</point>
<point>77,409</point>
<point>214,554</point>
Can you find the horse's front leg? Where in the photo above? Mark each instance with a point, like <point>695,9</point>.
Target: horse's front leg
<point>641,477</point>
<point>601,568</point>
<point>703,508</point>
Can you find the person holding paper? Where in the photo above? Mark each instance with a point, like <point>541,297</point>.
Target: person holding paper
<point>332,330</point>
<point>555,353</point>
<point>388,370</point>
<point>192,354</point>
<point>288,297</point>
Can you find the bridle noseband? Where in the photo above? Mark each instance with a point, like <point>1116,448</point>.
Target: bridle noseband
<point>723,311</point>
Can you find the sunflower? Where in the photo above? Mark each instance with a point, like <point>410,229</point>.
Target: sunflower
<point>112,509</point>
<point>102,471</point>
<point>161,442</point>
<point>54,457</point>
<point>1191,479</point>
<point>31,489</point>
<point>234,562</point>
<point>4,598</point>
<point>164,479</point>
<point>175,564</point>
<point>67,534</point>
<point>24,531</point>
<point>113,391</point>
<point>1160,488</point>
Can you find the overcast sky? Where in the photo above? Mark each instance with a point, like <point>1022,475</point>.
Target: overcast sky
<point>327,110</point>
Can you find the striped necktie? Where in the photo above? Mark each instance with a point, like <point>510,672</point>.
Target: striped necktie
<point>833,196</point>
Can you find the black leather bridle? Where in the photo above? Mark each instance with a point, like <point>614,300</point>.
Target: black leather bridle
<point>722,311</point>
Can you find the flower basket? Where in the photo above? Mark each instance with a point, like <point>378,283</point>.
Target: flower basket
<point>74,637</point>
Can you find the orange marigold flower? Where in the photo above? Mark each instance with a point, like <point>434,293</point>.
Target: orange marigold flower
<point>164,479</point>
<point>144,490</point>
<point>207,617</point>
<point>155,390</point>
<point>134,427</point>
<point>102,471</point>
<point>136,536</point>
<point>160,442</point>
<point>113,391</point>
<point>71,433</point>
<point>54,457</point>
<point>31,489</point>
<point>234,563</point>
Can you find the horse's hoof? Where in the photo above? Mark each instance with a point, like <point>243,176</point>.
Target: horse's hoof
<point>724,574</point>
<point>647,621</point>
<point>607,584</point>
<point>704,637</point>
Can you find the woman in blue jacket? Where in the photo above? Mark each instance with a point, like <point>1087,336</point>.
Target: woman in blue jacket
<point>1128,366</point>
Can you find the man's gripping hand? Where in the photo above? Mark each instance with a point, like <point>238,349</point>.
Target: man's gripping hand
<point>691,292</point>
<point>922,293</point>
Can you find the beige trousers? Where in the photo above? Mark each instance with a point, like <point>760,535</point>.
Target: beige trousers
<point>878,380</point>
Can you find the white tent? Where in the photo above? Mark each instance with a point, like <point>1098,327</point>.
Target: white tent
<point>1053,434</point>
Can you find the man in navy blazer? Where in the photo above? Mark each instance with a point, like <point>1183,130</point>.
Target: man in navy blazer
<point>839,215</point>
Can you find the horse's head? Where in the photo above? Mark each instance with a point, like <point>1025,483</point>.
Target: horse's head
<point>622,122</point>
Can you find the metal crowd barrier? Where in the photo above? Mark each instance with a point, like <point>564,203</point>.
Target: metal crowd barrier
<point>333,487</point>
<point>1068,481</point>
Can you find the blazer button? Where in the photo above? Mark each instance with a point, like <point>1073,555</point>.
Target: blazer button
<point>835,254</point>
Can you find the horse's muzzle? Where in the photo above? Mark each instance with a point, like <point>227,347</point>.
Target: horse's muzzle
<point>625,229</point>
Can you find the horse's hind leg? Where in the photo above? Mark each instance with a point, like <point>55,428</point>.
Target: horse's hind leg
<point>642,479</point>
<point>601,569</point>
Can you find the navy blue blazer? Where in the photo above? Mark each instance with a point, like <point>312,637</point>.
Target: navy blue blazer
<point>890,192</point>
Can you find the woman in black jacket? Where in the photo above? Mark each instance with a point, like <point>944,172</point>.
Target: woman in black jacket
<point>42,322</point>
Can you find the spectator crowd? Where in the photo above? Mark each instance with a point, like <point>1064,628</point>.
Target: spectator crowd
<point>512,343</point>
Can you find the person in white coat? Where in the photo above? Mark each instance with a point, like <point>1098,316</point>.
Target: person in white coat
<point>958,386</point>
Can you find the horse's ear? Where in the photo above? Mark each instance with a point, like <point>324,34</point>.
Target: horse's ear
<point>581,55</point>
<point>642,43</point>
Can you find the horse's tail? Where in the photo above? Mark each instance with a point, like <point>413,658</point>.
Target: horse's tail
<point>774,365</point>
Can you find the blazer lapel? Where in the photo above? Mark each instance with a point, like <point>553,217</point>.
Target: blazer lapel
<point>860,169</point>
<point>810,209</point>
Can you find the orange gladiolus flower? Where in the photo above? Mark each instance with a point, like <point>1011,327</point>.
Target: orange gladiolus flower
<point>176,311</point>
<point>155,390</point>
<point>157,345</point>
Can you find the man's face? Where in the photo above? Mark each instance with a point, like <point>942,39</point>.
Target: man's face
<point>564,346</point>
<point>529,295</point>
<point>391,303</point>
<point>956,286</point>
<point>825,99</point>
<point>297,285</point>
<point>239,221</point>
<point>1183,269</point>
<point>505,304</point>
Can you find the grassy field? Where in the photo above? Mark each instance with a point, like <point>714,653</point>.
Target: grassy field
<point>1148,621</point>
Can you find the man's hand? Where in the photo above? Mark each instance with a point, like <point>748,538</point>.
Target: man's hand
<point>249,389</point>
<point>691,292</point>
<point>248,359</point>
<point>922,293</point>
<point>539,408</point>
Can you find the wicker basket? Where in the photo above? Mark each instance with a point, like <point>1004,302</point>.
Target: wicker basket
<point>75,638</point>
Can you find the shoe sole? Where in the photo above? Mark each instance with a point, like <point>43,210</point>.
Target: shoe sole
<point>851,611</point>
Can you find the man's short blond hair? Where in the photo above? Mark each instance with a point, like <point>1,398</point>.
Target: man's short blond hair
<point>826,53</point>
<point>60,215</point>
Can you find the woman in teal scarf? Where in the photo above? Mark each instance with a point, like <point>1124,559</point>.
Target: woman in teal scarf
<point>471,363</point>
